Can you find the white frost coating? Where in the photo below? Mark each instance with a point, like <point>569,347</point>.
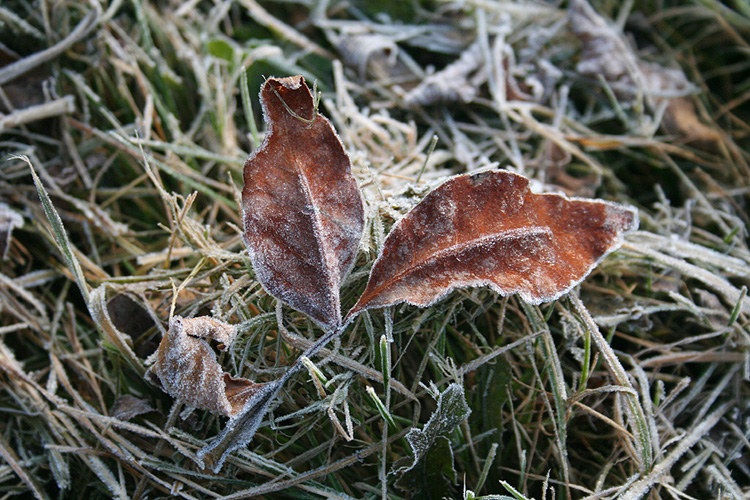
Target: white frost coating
<point>334,240</point>
<point>467,283</point>
<point>542,275</point>
<point>186,366</point>
<point>354,233</point>
<point>616,244</point>
<point>688,250</point>
<point>641,487</point>
<point>331,260</point>
<point>509,234</point>
<point>451,410</point>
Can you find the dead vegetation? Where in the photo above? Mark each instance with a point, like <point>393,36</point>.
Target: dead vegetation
<point>137,118</point>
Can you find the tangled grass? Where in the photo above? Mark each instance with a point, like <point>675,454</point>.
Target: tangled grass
<point>125,126</point>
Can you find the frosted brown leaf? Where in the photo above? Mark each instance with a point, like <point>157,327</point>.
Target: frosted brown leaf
<point>186,367</point>
<point>301,207</point>
<point>488,229</point>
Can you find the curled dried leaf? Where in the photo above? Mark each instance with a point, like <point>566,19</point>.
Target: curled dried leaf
<point>488,229</point>
<point>186,367</point>
<point>127,407</point>
<point>301,207</point>
<point>459,81</point>
<point>364,50</point>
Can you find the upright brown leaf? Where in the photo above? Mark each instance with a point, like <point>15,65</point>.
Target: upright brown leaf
<point>186,367</point>
<point>489,229</point>
<point>301,207</point>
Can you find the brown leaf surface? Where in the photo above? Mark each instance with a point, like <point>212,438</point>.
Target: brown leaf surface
<point>186,367</point>
<point>301,207</point>
<point>489,229</point>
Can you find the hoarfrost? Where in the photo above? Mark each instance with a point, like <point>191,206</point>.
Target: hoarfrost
<point>186,367</point>
<point>433,455</point>
<point>488,229</point>
<point>302,210</point>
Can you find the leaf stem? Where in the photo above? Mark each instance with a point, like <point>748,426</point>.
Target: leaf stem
<point>241,429</point>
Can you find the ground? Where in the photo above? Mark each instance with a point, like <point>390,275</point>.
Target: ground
<point>124,128</point>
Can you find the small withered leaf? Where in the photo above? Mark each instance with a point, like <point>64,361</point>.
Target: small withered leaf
<point>127,407</point>
<point>241,428</point>
<point>488,229</point>
<point>186,367</point>
<point>301,207</point>
<point>426,473</point>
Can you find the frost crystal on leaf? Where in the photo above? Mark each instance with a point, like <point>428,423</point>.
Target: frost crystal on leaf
<point>433,455</point>
<point>186,367</point>
<point>301,207</point>
<point>488,229</point>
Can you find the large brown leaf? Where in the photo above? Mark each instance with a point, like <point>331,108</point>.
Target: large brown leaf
<point>489,229</point>
<point>301,207</point>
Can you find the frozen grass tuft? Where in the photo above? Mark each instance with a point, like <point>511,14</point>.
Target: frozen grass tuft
<point>123,132</point>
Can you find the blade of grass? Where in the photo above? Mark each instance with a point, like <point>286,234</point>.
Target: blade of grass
<point>61,236</point>
<point>18,68</point>
<point>641,431</point>
<point>557,381</point>
<point>699,429</point>
<point>11,459</point>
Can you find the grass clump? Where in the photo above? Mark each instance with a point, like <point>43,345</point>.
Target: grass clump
<point>136,118</point>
